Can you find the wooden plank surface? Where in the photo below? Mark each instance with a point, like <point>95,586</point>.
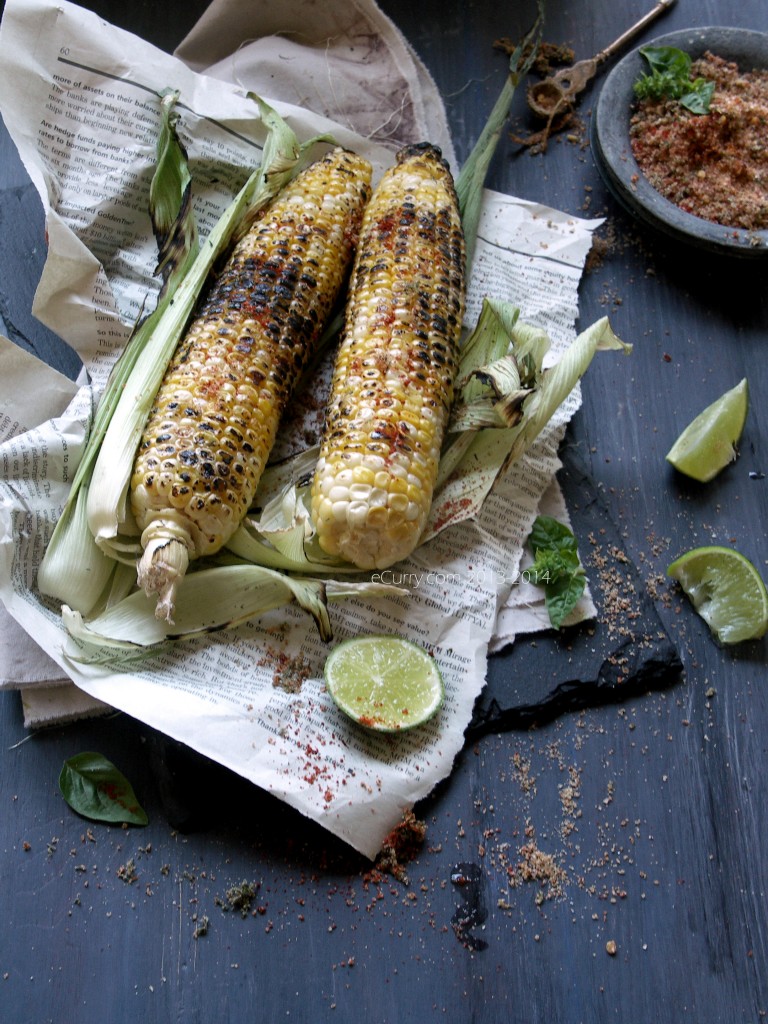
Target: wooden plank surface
<point>643,824</point>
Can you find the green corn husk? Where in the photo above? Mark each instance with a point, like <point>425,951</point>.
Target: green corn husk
<point>213,599</point>
<point>73,568</point>
<point>471,179</point>
<point>218,598</point>
<point>500,424</point>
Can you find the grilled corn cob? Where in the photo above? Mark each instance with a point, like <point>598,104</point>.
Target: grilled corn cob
<point>215,418</point>
<point>393,379</point>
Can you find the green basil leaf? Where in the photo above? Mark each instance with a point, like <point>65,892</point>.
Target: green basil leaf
<point>548,534</point>
<point>667,59</point>
<point>95,788</point>
<point>670,77</point>
<point>545,567</point>
<point>549,566</point>
<point>561,596</point>
<point>556,567</point>
<point>699,99</point>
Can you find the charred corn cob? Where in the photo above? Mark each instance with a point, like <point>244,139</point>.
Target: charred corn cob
<point>393,379</point>
<point>215,418</point>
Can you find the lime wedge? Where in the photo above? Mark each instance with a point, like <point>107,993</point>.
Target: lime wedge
<point>384,682</point>
<point>707,444</point>
<point>726,591</point>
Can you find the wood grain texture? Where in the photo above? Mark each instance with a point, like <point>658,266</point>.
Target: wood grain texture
<point>642,825</point>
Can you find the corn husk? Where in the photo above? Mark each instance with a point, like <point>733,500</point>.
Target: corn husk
<point>471,179</point>
<point>520,400</point>
<point>217,598</point>
<point>73,568</point>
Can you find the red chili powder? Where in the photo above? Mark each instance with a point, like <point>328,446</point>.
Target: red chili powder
<point>715,165</point>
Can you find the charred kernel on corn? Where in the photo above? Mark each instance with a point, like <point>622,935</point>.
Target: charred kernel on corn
<point>216,414</point>
<point>393,379</point>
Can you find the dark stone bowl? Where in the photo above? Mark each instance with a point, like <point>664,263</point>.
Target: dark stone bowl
<point>618,167</point>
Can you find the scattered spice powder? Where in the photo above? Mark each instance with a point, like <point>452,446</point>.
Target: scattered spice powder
<point>290,672</point>
<point>538,866</point>
<point>240,897</point>
<point>127,872</point>
<point>715,165</point>
<point>401,846</point>
<point>549,56</point>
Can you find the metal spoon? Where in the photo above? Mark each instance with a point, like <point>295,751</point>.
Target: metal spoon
<point>557,92</point>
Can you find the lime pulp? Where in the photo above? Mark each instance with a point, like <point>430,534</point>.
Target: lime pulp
<point>386,683</point>
<point>726,590</point>
<point>708,443</point>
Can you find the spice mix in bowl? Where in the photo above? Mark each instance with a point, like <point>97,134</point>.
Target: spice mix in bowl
<point>690,159</point>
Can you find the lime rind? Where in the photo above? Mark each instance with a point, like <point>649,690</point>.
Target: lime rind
<point>726,590</point>
<point>708,443</point>
<point>384,683</point>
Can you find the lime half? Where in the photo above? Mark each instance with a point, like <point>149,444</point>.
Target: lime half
<point>726,591</point>
<point>384,682</point>
<point>708,443</point>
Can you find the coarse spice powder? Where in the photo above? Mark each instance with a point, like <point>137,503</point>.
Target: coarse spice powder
<point>715,165</point>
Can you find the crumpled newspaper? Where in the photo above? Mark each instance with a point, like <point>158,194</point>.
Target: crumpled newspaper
<point>346,60</point>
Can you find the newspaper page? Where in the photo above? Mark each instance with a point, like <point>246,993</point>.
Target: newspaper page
<point>345,60</point>
<point>81,101</point>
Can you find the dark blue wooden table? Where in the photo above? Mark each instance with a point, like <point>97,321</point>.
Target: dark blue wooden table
<point>606,866</point>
